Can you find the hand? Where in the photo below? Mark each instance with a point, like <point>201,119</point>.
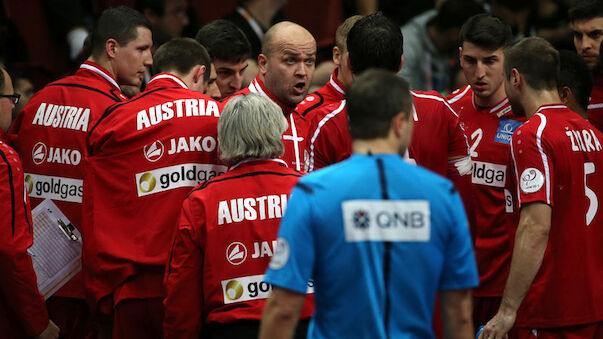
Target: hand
<point>499,326</point>
<point>51,332</point>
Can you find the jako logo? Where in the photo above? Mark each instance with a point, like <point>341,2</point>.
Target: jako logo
<point>38,153</point>
<point>361,219</point>
<point>236,253</point>
<point>154,152</point>
<point>147,182</point>
<point>234,290</point>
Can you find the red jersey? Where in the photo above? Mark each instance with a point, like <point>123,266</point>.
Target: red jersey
<point>437,135</point>
<point>332,92</point>
<point>22,308</point>
<point>294,137</point>
<point>490,130</point>
<point>557,157</point>
<point>50,136</point>
<point>595,105</point>
<point>145,156</point>
<point>226,237</point>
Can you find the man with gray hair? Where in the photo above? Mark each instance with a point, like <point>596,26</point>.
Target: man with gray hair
<point>227,230</point>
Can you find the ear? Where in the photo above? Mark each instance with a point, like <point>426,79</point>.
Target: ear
<point>336,55</point>
<point>516,79</point>
<point>565,94</point>
<point>399,122</point>
<point>198,72</point>
<point>262,63</point>
<point>111,46</point>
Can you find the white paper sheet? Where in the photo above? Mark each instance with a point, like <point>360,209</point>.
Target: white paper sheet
<point>57,251</point>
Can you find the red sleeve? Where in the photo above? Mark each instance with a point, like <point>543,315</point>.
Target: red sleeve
<point>457,140</point>
<point>329,139</point>
<point>533,167</point>
<point>18,283</point>
<point>184,278</point>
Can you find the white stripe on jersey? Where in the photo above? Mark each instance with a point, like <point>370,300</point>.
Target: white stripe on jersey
<point>334,84</point>
<point>497,107</point>
<point>460,95</point>
<point>595,106</point>
<point>547,174</point>
<point>516,173</point>
<point>101,73</point>
<point>315,135</point>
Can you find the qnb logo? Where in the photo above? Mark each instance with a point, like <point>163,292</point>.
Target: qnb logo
<point>172,177</point>
<point>154,152</point>
<point>236,253</point>
<point>38,153</point>
<point>147,183</point>
<point>234,290</point>
<point>249,288</point>
<point>361,219</point>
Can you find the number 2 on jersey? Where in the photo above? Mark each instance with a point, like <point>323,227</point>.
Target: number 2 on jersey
<point>589,168</point>
<point>477,136</point>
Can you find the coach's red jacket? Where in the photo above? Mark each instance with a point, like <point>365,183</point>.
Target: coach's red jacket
<point>22,308</point>
<point>50,136</point>
<point>145,157</point>
<point>226,237</point>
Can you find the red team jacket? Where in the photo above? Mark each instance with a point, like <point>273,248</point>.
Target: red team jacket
<point>331,93</point>
<point>490,133</point>
<point>225,240</point>
<point>557,158</point>
<point>50,136</point>
<point>595,105</point>
<point>145,156</point>
<point>294,137</point>
<point>437,134</point>
<point>22,308</point>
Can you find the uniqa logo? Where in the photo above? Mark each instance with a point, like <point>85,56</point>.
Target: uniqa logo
<point>361,219</point>
<point>147,182</point>
<point>236,253</point>
<point>154,152</point>
<point>234,290</point>
<point>29,183</point>
<point>38,153</point>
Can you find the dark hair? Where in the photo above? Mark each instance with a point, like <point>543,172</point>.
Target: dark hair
<point>157,7</point>
<point>574,74</point>
<point>181,55</point>
<point>585,10</point>
<point>375,42</point>
<point>373,100</point>
<point>454,13</point>
<point>119,23</point>
<point>536,60</point>
<point>224,41</point>
<point>486,31</point>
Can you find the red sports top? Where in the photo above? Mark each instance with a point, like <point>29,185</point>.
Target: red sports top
<point>557,158</point>
<point>437,135</point>
<point>50,136</point>
<point>490,131</point>
<point>331,93</point>
<point>22,308</point>
<point>595,105</point>
<point>294,137</point>
<point>226,237</point>
<point>145,156</point>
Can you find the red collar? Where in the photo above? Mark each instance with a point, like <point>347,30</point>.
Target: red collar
<point>98,70</point>
<point>165,80</point>
<point>335,84</point>
<point>257,86</point>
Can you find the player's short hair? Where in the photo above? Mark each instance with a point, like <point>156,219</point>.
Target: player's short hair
<point>536,60</point>
<point>574,74</point>
<point>373,100</point>
<point>486,31</point>
<point>375,42</point>
<point>181,55</point>
<point>454,13</point>
<point>119,23</point>
<point>586,10</point>
<point>344,28</point>
<point>156,7</point>
<point>224,41</point>
<point>250,127</point>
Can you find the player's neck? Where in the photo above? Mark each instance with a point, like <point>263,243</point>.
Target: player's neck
<point>491,100</point>
<point>104,63</point>
<point>375,146</point>
<point>534,99</point>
